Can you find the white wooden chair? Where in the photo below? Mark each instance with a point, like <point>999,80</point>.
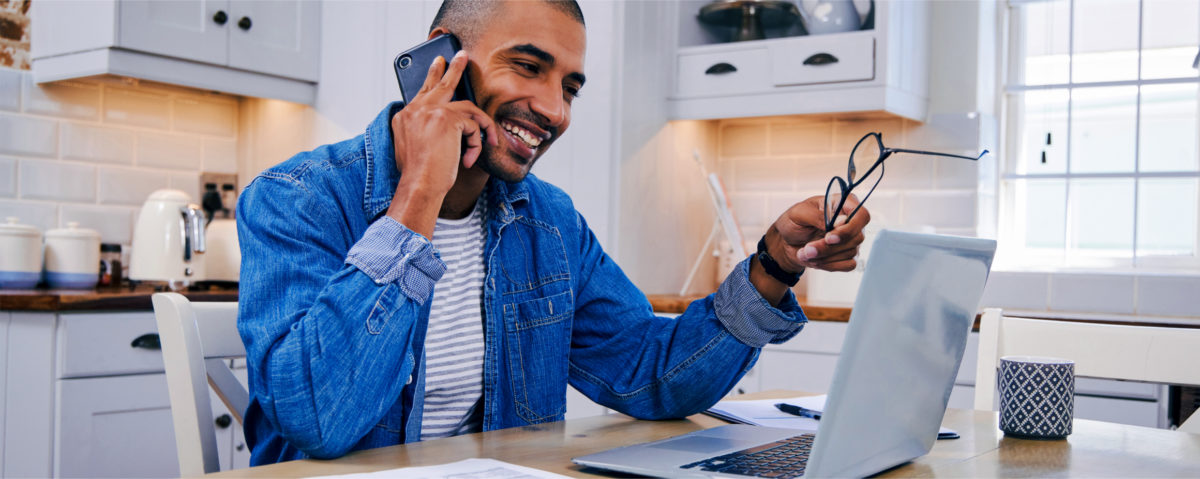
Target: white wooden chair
<point>197,340</point>
<point>1135,353</point>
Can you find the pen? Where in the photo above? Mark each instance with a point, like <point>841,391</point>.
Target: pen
<point>798,410</point>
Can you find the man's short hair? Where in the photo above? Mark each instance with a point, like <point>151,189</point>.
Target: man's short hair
<point>466,18</point>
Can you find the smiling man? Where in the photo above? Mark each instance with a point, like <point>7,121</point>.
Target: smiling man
<point>417,281</point>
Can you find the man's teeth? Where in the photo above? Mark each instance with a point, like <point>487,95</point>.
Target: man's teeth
<point>529,139</point>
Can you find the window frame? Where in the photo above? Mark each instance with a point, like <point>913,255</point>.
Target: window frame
<point>1010,229</point>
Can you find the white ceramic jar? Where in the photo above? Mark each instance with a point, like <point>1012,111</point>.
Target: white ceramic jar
<point>20,255</point>
<point>72,257</point>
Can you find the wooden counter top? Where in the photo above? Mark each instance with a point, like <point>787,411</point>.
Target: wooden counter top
<point>671,303</point>
<point>95,299</point>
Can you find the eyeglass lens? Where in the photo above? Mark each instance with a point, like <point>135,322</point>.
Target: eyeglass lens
<point>865,154</point>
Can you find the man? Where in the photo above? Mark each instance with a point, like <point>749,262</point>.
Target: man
<point>360,332</point>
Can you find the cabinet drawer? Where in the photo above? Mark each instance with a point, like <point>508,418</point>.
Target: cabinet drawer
<point>700,74</point>
<point>823,59</point>
<point>101,344</point>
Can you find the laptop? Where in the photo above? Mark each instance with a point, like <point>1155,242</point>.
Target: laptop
<point>903,347</point>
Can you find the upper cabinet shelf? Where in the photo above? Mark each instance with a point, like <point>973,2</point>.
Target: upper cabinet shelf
<point>881,69</point>
<point>254,48</point>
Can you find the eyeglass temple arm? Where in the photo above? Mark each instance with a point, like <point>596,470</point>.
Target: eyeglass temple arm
<point>934,153</point>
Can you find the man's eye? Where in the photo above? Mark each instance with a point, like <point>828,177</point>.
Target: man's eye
<point>529,67</point>
<point>571,92</point>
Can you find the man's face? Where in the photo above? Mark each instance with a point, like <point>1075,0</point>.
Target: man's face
<point>526,68</point>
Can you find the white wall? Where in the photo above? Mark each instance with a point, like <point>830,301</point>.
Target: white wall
<point>92,151</point>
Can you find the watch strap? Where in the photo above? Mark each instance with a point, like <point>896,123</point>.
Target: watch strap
<point>772,267</point>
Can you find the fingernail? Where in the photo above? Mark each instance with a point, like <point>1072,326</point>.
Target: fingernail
<point>832,239</point>
<point>460,53</point>
<point>809,252</point>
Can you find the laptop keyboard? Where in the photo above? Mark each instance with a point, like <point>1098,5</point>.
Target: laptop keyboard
<point>781,459</point>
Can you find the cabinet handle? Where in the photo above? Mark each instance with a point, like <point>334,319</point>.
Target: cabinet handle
<point>821,59</point>
<point>244,23</point>
<point>223,421</point>
<point>220,17</point>
<point>720,69</point>
<point>147,341</point>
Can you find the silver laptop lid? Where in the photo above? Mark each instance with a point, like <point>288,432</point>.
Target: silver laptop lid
<point>905,341</point>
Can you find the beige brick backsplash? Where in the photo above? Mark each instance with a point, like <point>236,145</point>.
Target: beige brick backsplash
<point>210,116</point>
<point>764,175</point>
<point>955,173</point>
<point>92,151</point>
<point>188,183</point>
<point>68,99</point>
<point>8,178</point>
<point>28,136</point>
<point>129,186</point>
<point>846,133</point>
<point>739,140</point>
<point>39,214</point>
<point>790,138</point>
<point>749,208</point>
<point>146,108</point>
<point>114,223</point>
<point>10,89</point>
<point>56,180</point>
<point>940,209</point>
<point>220,156</point>
<point>88,142</point>
<point>886,208</point>
<point>164,150</point>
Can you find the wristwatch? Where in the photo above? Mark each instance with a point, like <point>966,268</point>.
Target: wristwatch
<point>772,268</point>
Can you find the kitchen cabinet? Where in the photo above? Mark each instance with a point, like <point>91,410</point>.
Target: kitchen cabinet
<point>244,47</point>
<point>882,69</point>
<point>81,400</point>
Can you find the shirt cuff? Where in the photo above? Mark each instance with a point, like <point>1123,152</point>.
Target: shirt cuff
<point>749,317</point>
<point>390,252</point>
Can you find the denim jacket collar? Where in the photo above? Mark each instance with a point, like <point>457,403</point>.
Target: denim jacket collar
<point>382,176</point>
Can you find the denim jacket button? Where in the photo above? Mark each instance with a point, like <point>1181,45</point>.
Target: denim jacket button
<point>409,381</point>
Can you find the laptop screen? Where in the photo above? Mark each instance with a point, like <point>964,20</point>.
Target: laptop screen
<point>905,341</point>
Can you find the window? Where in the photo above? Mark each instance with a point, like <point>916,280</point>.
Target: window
<point>1102,162</point>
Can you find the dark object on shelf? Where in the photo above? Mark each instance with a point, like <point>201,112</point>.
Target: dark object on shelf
<point>750,17</point>
<point>110,265</point>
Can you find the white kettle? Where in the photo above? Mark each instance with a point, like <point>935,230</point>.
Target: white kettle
<point>168,240</point>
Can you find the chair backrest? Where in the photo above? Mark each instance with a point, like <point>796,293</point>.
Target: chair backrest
<point>197,340</point>
<point>1135,353</point>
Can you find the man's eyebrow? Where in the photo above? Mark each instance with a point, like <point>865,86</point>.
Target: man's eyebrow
<point>545,57</point>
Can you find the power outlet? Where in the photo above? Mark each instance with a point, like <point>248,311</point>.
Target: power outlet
<point>226,188</point>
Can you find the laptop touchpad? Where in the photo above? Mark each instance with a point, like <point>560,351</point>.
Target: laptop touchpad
<point>698,444</point>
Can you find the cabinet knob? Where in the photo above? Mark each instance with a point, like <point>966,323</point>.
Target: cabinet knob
<point>223,421</point>
<point>244,23</point>
<point>821,59</point>
<point>220,17</point>
<point>720,68</point>
<point>147,341</point>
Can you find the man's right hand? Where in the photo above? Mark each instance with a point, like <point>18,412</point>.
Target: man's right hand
<point>428,136</point>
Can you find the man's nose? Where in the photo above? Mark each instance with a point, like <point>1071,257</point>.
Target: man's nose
<point>549,105</point>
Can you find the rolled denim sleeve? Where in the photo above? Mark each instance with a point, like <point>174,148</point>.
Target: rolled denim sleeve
<point>749,317</point>
<point>390,252</point>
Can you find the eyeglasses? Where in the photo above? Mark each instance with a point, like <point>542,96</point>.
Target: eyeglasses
<point>868,150</point>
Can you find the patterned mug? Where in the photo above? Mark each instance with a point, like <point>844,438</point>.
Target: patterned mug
<point>1037,396</point>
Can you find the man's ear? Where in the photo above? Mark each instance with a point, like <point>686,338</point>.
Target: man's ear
<point>437,31</point>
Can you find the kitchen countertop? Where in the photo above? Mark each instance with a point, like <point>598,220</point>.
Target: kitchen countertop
<point>105,299</point>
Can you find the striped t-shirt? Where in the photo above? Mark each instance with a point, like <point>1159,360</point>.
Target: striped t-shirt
<point>454,339</point>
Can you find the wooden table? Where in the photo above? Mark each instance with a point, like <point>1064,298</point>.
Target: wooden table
<point>1095,449</point>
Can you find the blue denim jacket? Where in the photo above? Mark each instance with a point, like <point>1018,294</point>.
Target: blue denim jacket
<point>334,302</point>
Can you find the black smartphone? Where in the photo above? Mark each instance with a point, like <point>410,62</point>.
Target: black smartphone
<point>413,64</point>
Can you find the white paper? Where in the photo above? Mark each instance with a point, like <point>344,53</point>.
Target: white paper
<point>763,412</point>
<point>464,469</point>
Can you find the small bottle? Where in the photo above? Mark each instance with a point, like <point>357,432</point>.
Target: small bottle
<point>110,265</point>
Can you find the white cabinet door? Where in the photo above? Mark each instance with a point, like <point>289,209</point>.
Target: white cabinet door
<point>276,37</point>
<point>115,427</point>
<point>177,28</point>
<point>808,372</point>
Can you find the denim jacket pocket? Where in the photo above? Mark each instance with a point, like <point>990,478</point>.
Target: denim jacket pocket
<point>538,336</point>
